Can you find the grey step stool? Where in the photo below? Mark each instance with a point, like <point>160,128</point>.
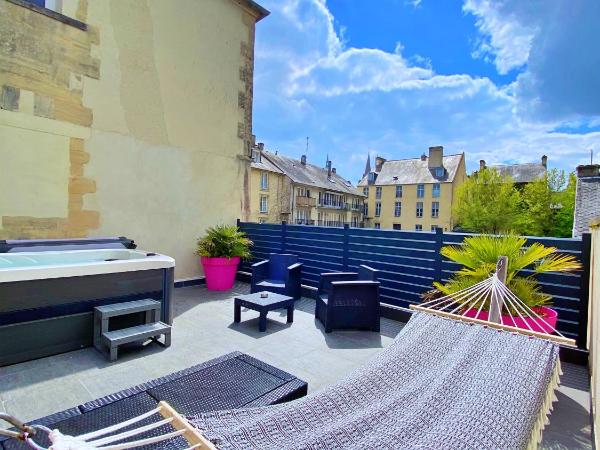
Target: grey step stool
<point>108,342</point>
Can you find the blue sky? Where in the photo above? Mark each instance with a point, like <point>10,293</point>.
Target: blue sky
<point>505,81</point>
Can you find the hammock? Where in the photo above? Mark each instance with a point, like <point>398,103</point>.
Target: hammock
<point>445,382</point>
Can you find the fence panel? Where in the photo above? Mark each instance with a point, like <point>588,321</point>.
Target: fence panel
<point>410,261</point>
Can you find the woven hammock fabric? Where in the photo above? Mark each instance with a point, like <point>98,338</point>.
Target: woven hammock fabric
<point>441,384</point>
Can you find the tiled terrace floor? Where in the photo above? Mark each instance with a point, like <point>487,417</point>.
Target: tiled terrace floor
<point>203,329</point>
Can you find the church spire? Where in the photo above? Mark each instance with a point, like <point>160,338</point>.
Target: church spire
<point>368,165</point>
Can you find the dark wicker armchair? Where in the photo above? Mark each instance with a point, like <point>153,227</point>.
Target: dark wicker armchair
<point>281,273</point>
<point>348,300</point>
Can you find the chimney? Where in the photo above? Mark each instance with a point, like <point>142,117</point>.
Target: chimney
<point>379,163</point>
<point>588,170</point>
<point>423,157</point>
<point>328,169</point>
<point>333,170</point>
<point>436,155</point>
<point>261,146</point>
<point>544,161</point>
<point>481,164</point>
<point>303,160</point>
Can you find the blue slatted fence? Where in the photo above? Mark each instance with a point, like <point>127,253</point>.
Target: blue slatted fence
<point>409,262</point>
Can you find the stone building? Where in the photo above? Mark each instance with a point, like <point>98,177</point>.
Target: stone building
<point>587,198</point>
<point>302,193</point>
<point>521,174</point>
<point>413,194</point>
<point>126,118</point>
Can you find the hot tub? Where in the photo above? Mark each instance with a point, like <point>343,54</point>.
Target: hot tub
<point>48,290</point>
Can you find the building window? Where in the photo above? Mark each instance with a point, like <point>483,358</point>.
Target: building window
<point>264,204</point>
<point>377,209</point>
<point>366,210</point>
<point>377,225</point>
<point>435,192</point>
<point>440,172</point>
<point>434,227</point>
<point>419,209</point>
<point>264,181</point>
<point>366,191</point>
<point>398,209</point>
<point>420,190</point>
<point>435,209</point>
<point>418,227</point>
<point>399,191</point>
<point>397,226</point>
<point>378,192</point>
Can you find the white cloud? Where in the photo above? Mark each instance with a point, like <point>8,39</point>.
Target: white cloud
<point>354,101</point>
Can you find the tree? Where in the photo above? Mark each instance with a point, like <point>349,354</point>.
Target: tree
<point>547,205</point>
<point>487,203</point>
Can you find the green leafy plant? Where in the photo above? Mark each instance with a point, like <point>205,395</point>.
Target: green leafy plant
<point>224,241</point>
<point>479,254</point>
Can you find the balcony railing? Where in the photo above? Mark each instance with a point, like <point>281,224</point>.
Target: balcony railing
<point>306,201</point>
<point>304,222</point>
<point>342,206</point>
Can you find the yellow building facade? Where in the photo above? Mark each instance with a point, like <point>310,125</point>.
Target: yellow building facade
<point>126,118</point>
<point>413,194</point>
<point>291,190</point>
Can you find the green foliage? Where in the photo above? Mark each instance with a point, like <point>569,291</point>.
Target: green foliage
<point>547,205</point>
<point>224,241</point>
<point>479,254</point>
<point>487,203</point>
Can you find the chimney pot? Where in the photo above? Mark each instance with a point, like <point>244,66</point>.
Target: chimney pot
<point>423,157</point>
<point>333,170</point>
<point>261,146</point>
<point>379,161</point>
<point>544,161</point>
<point>481,164</point>
<point>303,160</point>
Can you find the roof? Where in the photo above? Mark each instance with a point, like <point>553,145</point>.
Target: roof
<point>260,12</point>
<point>265,164</point>
<point>587,204</point>
<point>521,173</point>
<point>414,171</point>
<point>311,175</point>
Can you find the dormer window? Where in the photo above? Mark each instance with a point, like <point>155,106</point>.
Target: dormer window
<point>371,177</point>
<point>439,172</point>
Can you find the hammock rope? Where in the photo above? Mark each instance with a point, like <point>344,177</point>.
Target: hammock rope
<point>493,296</point>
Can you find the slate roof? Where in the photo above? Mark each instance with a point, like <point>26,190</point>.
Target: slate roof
<point>521,173</point>
<point>265,164</point>
<point>310,175</point>
<point>587,204</point>
<point>414,171</point>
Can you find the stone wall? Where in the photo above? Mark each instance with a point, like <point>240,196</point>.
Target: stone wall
<point>136,123</point>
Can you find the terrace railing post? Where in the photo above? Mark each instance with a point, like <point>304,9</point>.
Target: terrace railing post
<point>238,222</point>
<point>345,249</point>
<point>439,242</point>
<point>283,235</point>
<point>586,249</point>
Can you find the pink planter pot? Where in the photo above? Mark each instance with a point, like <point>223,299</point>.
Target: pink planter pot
<point>549,315</point>
<point>219,272</point>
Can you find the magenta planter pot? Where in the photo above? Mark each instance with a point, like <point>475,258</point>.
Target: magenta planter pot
<point>219,272</point>
<point>549,315</point>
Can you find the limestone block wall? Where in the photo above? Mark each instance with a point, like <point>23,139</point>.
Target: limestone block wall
<point>136,125</point>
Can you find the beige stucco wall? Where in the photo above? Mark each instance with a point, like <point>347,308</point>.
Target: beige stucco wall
<point>136,126</point>
<point>594,326</point>
<point>276,192</point>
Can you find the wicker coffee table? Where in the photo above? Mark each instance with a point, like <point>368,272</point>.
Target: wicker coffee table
<point>263,305</point>
<point>235,380</point>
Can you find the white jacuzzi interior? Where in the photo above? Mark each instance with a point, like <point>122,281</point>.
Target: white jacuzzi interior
<point>34,259</point>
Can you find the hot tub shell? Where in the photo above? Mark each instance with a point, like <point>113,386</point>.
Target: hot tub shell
<point>47,297</point>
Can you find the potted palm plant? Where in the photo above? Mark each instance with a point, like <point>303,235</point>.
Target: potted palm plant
<point>220,251</point>
<point>479,254</point>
